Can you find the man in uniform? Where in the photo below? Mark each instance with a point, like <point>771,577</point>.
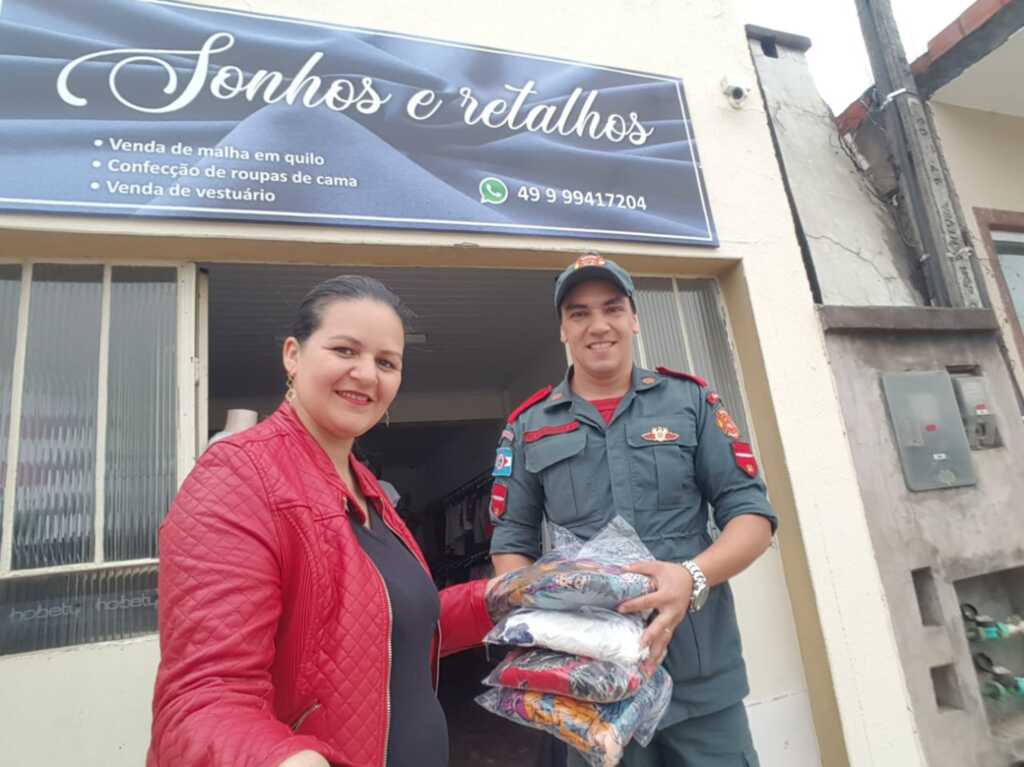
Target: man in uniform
<point>657,448</point>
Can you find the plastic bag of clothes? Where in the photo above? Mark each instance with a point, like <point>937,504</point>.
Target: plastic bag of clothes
<point>575,574</point>
<point>597,681</point>
<point>593,633</point>
<point>599,731</point>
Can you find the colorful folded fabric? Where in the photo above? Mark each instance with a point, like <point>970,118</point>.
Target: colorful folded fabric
<point>553,583</point>
<point>599,731</point>
<point>574,676</point>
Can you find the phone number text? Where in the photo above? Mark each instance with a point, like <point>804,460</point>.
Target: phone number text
<point>578,197</point>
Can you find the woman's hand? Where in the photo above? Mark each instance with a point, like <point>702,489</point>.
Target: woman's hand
<point>305,759</point>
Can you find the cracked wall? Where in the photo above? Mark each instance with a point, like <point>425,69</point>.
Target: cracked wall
<point>854,247</point>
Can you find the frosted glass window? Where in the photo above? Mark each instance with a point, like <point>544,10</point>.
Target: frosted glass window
<point>56,485</point>
<point>60,609</point>
<point>711,351</point>
<point>10,290</point>
<point>663,337</point>
<point>683,328</point>
<point>1011,259</point>
<point>141,459</point>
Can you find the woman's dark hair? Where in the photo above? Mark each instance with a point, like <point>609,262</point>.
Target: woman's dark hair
<point>345,287</point>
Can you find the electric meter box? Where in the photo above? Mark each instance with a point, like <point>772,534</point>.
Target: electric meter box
<point>976,410</point>
<point>929,431</point>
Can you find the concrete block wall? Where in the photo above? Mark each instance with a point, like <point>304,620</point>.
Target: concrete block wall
<point>930,543</point>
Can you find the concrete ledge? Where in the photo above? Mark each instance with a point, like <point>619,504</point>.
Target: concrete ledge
<point>785,39</point>
<point>882,319</point>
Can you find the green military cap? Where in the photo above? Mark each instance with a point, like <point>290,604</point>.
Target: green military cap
<point>591,266</point>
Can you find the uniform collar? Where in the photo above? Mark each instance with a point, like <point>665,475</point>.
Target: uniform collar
<point>646,379</point>
<point>563,395</point>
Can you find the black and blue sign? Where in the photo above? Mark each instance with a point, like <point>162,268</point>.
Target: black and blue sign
<point>159,108</point>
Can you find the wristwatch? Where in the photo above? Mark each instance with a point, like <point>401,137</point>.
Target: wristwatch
<point>700,592</point>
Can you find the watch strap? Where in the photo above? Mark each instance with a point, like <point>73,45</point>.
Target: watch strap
<point>700,584</point>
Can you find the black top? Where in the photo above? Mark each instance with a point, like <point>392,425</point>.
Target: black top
<point>419,734</point>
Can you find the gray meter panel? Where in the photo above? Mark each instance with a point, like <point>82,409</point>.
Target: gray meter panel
<point>929,431</point>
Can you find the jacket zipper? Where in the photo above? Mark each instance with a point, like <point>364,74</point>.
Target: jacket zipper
<point>387,686</point>
<point>304,716</point>
<point>437,660</point>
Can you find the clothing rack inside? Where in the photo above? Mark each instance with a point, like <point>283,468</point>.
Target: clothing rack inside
<point>469,487</point>
<point>466,526</point>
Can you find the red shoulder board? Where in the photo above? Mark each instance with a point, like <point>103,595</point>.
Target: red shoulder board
<point>685,376</point>
<point>529,402</point>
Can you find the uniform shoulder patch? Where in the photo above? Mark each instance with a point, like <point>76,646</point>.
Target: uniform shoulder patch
<point>529,402</point>
<point>685,376</point>
<point>744,457</point>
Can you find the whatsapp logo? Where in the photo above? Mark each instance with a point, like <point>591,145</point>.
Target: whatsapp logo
<point>493,191</point>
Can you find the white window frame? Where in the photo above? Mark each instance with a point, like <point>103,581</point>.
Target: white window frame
<point>1004,235</point>
<point>190,307</point>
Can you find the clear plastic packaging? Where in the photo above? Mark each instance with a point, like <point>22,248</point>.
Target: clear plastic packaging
<point>596,681</point>
<point>593,633</point>
<point>575,575</point>
<point>599,731</point>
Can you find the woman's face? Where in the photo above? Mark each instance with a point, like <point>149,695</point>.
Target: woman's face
<point>348,371</point>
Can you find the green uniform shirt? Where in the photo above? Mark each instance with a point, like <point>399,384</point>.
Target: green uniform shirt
<point>670,451</point>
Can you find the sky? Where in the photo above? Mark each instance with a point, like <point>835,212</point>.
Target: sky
<point>837,58</point>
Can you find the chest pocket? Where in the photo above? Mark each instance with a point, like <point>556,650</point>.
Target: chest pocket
<point>566,483</point>
<point>661,462</point>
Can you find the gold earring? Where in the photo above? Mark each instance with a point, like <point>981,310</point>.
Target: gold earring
<point>387,418</point>
<point>289,394</point>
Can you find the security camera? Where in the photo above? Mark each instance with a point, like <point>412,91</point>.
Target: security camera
<point>736,89</point>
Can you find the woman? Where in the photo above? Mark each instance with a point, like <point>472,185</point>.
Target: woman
<point>299,626</point>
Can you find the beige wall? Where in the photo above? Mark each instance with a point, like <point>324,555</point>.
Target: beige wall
<point>79,707</point>
<point>824,571</point>
<point>983,151</point>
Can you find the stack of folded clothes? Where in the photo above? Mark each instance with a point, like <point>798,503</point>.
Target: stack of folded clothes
<point>580,677</point>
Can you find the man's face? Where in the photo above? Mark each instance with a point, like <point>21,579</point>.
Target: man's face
<point>598,324</point>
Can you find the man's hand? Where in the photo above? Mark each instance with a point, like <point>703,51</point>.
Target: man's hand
<point>671,598</point>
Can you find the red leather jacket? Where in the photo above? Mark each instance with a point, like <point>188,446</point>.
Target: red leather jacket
<point>274,625</point>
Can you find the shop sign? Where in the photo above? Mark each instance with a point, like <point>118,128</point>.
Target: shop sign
<point>167,109</point>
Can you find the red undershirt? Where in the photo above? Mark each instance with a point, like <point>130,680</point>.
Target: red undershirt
<point>606,407</point>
